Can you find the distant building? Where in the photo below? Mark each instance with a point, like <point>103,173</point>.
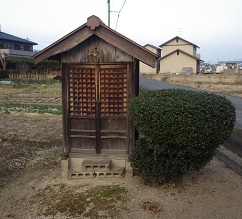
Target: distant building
<point>179,56</point>
<point>16,47</point>
<point>145,69</point>
<point>231,64</point>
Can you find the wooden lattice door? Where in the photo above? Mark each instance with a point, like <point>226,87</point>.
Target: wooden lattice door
<point>97,108</point>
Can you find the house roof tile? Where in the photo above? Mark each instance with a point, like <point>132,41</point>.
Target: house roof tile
<point>9,37</point>
<point>155,47</point>
<point>177,37</point>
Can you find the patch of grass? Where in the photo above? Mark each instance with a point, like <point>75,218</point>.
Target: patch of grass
<point>23,83</point>
<point>26,87</point>
<point>19,84</point>
<point>19,154</point>
<point>165,78</point>
<point>30,108</point>
<point>97,202</point>
<point>239,80</point>
<point>199,83</point>
<point>6,111</point>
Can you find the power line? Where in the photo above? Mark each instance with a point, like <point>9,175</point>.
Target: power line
<point>119,13</point>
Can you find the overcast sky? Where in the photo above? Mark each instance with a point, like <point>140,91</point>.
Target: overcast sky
<point>214,25</point>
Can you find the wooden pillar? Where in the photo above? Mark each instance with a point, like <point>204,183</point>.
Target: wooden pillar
<point>98,110</point>
<point>65,116</point>
<point>136,77</point>
<point>98,127</point>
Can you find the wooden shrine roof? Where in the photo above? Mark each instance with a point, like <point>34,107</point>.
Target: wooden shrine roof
<point>95,26</point>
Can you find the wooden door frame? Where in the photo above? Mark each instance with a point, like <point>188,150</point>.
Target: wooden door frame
<point>131,91</point>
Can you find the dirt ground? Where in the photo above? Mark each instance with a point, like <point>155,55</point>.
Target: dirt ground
<point>32,177</point>
<point>215,192</point>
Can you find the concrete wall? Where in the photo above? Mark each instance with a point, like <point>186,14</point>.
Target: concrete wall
<point>175,63</point>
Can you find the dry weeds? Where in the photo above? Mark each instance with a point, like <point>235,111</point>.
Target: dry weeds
<point>222,83</point>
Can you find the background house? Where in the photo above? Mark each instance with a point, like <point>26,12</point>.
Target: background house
<point>146,69</point>
<point>16,47</point>
<point>179,56</point>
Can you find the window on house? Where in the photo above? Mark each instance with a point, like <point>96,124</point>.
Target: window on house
<point>1,45</point>
<point>16,47</point>
<point>26,48</point>
<point>177,52</point>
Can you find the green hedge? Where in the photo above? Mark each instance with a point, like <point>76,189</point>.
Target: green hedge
<point>181,130</point>
<point>3,74</point>
<point>30,64</point>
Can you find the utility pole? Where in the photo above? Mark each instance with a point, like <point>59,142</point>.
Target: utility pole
<point>109,13</point>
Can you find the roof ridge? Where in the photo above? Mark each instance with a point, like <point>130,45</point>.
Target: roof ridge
<point>177,37</point>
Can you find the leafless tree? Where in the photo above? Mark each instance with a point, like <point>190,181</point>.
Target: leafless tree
<point>4,57</point>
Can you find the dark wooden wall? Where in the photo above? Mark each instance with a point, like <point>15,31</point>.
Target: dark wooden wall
<point>90,87</point>
<point>107,52</point>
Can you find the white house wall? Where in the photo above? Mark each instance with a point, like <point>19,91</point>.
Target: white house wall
<point>175,63</point>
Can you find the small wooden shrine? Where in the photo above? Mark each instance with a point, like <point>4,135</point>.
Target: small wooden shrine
<point>100,74</point>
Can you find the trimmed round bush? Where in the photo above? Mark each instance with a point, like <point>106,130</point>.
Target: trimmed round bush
<point>180,131</point>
